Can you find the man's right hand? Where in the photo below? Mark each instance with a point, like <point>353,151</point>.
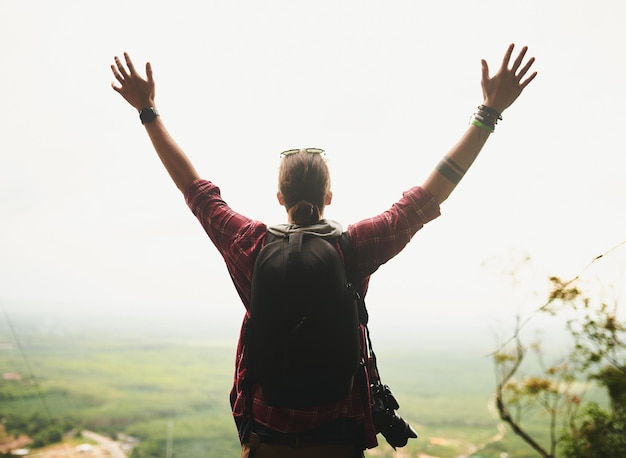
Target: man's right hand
<point>137,91</point>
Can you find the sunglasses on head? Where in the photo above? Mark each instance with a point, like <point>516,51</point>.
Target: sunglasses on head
<point>289,152</point>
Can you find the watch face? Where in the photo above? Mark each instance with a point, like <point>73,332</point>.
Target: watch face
<point>147,115</point>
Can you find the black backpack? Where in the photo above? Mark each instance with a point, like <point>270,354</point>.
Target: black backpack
<point>302,338</point>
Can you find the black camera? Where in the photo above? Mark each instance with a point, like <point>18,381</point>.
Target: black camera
<point>396,431</point>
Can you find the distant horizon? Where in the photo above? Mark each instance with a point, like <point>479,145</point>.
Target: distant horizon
<point>479,338</point>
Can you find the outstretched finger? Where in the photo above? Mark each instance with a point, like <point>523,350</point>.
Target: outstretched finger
<point>527,80</point>
<point>525,68</point>
<point>519,59</point>
<point>120,67</point>
<point>149,72</point>
<point>129,63</point>
<point>116,74</point>
<point>507,57</point>
<point>485,69</point>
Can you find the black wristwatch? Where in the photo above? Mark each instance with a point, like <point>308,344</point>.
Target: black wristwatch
<point>148,114</point>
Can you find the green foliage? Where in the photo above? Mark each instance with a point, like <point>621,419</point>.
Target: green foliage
<point>134,387</point>
<point>598,355</point>
<point>50,435</point>
<point>149,449</point>
<point>198,431</point>
<point>42,429</point>
<point>16,389</point>
<point>596,433</point>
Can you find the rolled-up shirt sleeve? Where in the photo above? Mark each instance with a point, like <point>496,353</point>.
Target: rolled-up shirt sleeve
<point>376,240</point>
<point>237,237</point>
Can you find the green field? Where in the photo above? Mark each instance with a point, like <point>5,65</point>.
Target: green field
<point>138,386</point>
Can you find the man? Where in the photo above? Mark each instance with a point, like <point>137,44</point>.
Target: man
<point>344,428</point>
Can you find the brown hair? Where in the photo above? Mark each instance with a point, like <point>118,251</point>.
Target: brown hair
<point>304,182</point>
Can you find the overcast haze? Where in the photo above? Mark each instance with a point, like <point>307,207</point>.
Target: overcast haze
<point>92,225</point>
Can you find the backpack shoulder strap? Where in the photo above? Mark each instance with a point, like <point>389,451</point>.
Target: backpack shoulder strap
<point>349,259</point>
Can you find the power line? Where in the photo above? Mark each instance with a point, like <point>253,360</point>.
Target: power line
<point>29,368</point>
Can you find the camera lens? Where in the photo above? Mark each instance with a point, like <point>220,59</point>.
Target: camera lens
<point>395,430</point>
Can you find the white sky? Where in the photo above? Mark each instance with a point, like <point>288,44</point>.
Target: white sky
<point>90,222</point>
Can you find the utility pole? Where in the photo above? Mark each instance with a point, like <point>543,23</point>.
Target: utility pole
<point>170,434</point>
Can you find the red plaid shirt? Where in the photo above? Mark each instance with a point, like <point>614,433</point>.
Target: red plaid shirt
<point>239,240</point>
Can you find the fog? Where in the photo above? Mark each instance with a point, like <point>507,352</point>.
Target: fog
<point>94,234</point>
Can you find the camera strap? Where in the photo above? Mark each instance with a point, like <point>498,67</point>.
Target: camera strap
<point>349,260</point>
<point>383,403</point>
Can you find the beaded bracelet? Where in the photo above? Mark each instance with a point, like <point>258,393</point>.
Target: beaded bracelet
<point>486,118</point>
<point>490,111</point>
<point>484,122</point>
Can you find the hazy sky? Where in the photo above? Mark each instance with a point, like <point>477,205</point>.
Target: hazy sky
<point>91,223</point>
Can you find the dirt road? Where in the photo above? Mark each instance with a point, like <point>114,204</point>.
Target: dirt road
<point>114,449</point>
<point>104,448</point>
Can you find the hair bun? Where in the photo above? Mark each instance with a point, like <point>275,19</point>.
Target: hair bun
<point>304,213</point>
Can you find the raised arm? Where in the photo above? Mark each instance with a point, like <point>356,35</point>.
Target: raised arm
<point>140,94</point>
<point>499,92</point>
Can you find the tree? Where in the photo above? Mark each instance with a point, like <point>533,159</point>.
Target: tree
<point>576,428</point>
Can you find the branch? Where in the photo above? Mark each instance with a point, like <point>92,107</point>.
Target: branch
<point>549,301</point>
<point>504,412</point>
